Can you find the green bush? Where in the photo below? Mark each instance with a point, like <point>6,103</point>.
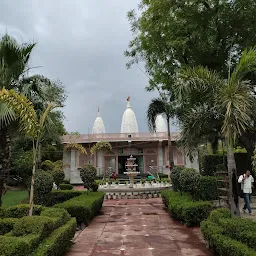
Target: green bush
<point>66,186</point>
<point>39,225</point>
<point>18,246</point>
<point>175,177</point>
<point>95,187</point>
<point>211,164</point>
<point>58,176</point>
<point>60,196</point>
<point>88,175</point>
<point>25,236</point>
<point>43,187</point>
<point>228,235</point>
<point>6,225</point>
<point>83,207</point>
<point>218,214</point>
<point>183,208</point>
<point>58,242</point>
<point>20,211</point>
<point>207,188</point>
<point>189,180</point>
<point>61,216</point>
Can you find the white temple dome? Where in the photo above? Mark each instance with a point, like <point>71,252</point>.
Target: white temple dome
<point>160,124</point>
<point>129,121</point>
<point>98,126</point>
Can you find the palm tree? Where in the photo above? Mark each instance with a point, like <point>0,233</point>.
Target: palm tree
<point>14,107</point>
<point>163,105</point>
<point>229,102</point>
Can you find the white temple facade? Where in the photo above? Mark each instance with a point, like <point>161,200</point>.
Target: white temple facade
<point>150,149</point>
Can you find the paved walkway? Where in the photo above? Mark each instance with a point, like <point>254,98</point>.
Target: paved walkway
<point>137,227</point>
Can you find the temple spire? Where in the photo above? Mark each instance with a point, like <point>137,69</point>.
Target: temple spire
<point>128,102</point>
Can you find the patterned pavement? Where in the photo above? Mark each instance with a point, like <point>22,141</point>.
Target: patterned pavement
<point>137,227</point>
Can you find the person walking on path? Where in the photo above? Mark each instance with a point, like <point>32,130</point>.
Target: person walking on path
<point>246,181</point>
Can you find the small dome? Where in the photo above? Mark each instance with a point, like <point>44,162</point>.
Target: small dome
<point>161,124</point>
<point>98,126</point>
<point>129,121</point>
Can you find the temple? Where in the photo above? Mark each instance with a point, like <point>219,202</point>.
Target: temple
<point>150,149</point>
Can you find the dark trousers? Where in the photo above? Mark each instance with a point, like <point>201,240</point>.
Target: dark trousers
<point>247,202</point>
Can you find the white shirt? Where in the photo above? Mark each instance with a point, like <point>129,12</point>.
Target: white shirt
<point>246,185</point>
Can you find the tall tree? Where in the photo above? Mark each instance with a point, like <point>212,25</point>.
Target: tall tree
<point>230,101</point>
<point>170,34</point>
<point>162,105</point>
<point>19,109</point>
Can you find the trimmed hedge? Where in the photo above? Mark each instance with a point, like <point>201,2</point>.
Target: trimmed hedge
<point>228,235</point>
<point>48,234</point>
<point>83,207</point>
<point>58,242</point>
<point>6,225</point>
<point>60,196</point>
<point>66,186</point>
<point>20,211</point>
<point>183,208</point>
<point>207,188</point>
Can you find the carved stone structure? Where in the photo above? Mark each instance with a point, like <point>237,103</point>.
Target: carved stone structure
<point>149,149</point>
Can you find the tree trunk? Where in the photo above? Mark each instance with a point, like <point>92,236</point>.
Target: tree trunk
<point>31,197</point>
<point>232,170</point>
<point>5,156</point>
<point>170,149</point>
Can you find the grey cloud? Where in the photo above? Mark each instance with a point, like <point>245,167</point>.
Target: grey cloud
<point>82,44</point>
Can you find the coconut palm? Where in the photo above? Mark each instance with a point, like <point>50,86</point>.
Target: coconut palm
<point>163,105</point>
<point>224,106</point>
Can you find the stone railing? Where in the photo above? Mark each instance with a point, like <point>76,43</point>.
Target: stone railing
<point>112,137</point>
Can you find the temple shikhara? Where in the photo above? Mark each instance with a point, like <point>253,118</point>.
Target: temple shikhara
<point>150,149</point>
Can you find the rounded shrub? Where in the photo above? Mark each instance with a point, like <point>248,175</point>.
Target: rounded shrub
<point>43,187</point>
<point>58,176</point>
<point>189,180</point>
<point>95,186</point>
<point>66,187</point>
<point>88,175</point>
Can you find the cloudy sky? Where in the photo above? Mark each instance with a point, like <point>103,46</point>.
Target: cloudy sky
<point>81,43</point>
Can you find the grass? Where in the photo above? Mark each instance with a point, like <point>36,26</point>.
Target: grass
<point>14,197</point>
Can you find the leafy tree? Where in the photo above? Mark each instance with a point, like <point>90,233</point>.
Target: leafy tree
<point>170,34</point>
<point>162,105</point>
<point>230,102</point>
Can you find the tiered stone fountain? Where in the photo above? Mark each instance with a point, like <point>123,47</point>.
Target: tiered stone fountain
<point>119,191</point>
<point>131,170</point>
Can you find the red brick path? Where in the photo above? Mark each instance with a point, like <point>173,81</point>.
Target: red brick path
<point>139,227</point>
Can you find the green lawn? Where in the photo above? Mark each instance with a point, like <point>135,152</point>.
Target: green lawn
<point>14,197</point>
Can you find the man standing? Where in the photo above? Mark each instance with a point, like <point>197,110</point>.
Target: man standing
<point>246,181</point>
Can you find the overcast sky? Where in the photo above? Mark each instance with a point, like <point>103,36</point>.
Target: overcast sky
<point>81,43</point>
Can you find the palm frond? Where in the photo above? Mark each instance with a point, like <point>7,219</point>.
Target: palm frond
<point>7,114</point>
<point>156,107</point>
<point>195,81</point>
<point>246,64</point>
<point>237,100</point>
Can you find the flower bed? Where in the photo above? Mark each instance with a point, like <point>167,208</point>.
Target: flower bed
<point>183,208</point>
<point>228,235</point>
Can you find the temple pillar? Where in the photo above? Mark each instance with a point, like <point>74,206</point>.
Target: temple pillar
<point>100,162</point>
<point>160,157</point>
<point>74,173</point>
